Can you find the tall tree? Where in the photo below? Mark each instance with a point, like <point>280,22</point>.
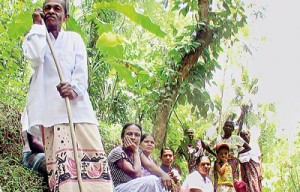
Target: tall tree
<point>183,67</point>
<point>210,28</point>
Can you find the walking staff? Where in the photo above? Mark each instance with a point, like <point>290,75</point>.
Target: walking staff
<point>75,155</point>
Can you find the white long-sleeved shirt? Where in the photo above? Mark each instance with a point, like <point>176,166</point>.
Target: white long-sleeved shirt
<point>45,106</point>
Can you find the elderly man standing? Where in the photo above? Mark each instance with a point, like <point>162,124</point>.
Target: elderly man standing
<point>46,106</point>
<point>190,149</point>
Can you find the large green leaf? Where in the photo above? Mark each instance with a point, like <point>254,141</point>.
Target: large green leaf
<point>141,73</point>
<point>116,51</point>
<point>111,44</point>
<point>130,12</point>
<point>20,25</point>
<point>104,27</point>
<point>127,69</point>
<point>122,69</point>
<point>72,25</point>
<point>109,40</point>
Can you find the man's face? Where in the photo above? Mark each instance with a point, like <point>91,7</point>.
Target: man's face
<point>204,166</point>
<point>167,158</point>
<point>190,134</point>
<point>55,15</point>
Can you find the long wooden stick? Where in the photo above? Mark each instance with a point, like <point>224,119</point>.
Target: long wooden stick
<point>68,110</point>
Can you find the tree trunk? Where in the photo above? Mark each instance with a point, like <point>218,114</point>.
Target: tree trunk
<point>204,37</point>
<point>160,125</point>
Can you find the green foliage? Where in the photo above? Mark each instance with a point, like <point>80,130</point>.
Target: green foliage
<point>73,25</point>
<point>111,44</point>
<point>13,177</point>
<point>130,12</point>
<point>280,154</point>
<point>10,141</point>
<point>20,25</point>
<point>136,50</point>
<point>105,97</point>
<point>266,139</point>
<point>281,173</point>
<point>111,135</point>
<point>15,21</point>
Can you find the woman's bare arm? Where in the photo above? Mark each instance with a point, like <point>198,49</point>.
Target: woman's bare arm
<point>134,170</point>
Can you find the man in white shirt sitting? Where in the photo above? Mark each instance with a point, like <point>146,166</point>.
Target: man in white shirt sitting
<point>198,181</point>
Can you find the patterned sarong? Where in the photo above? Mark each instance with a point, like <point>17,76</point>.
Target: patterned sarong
<point>250,172</point>
<point>61,166</point>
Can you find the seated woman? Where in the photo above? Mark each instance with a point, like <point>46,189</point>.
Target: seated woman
<point>125,163</point>
<point>198,180</point>
<point>147,145</point>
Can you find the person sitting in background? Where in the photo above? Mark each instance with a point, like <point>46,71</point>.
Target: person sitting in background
<point>126,161</point>
<point>33,151</point>
<point>251,164</point>
<point>147,145</point>
<point>224,170</point>
<point>167,158</point>
<point>198,181</point>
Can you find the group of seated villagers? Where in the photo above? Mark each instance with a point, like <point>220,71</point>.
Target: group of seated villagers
<point>133,169</point>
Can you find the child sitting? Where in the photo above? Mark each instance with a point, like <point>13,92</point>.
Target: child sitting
<point>225,177</point>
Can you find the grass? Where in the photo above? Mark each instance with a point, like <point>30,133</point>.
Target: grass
<point>13,176</point>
